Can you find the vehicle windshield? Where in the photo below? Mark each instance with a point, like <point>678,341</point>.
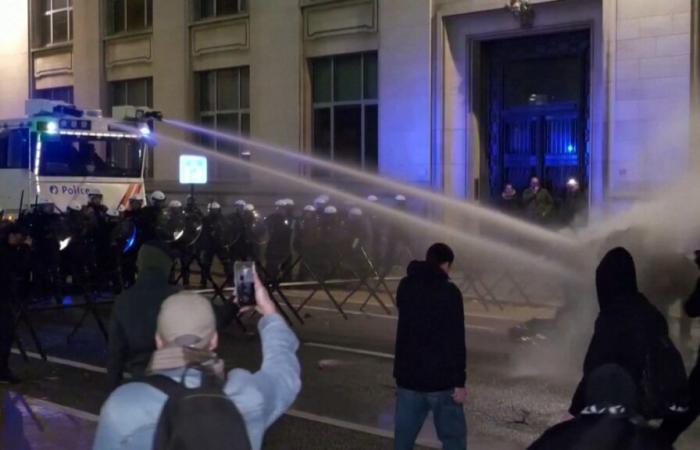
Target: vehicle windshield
<point>89,156</point>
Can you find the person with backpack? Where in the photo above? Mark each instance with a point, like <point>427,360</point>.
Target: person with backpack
<point>633,334</point>
<point>188,401</point>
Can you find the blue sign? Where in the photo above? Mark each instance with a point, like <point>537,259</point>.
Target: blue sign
<point>193,169</point>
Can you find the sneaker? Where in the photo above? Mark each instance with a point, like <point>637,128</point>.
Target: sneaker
<point>9,378</point>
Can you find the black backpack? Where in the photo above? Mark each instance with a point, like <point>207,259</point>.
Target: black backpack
<point>202,418</point>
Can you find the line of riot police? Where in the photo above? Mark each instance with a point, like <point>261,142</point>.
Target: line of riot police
<point>90,248</point>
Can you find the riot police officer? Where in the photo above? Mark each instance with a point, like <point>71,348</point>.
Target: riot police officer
<point>112,236</point>
<point>133,221</point>
<point>278,251</point>
<point>151,215</point>
<point>76,258</point>
<point>47,231</point>
<point>215,242</point>
<point>14,267</point>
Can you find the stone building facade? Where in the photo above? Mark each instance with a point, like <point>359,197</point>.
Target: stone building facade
<point>458,95</point>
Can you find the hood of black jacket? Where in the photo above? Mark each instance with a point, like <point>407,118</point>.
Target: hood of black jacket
<point>422,270</point>
<point>616,278</point>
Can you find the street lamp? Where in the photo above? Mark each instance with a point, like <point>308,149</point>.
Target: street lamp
<point>523,11</point>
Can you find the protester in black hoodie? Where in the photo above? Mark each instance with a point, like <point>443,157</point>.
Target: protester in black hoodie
<point>632,333</point>
<point>609,420</point>
<point>430,362</point>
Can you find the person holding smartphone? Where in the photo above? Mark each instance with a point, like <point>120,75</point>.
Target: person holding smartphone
<point>186,337</point>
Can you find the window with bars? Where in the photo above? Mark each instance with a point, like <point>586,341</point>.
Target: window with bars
<point>55,21</point>
<point>134,92</point>
<point>64,94</point>
<point>345,103</point>
<point>215,8</point>
<point>129,15</point>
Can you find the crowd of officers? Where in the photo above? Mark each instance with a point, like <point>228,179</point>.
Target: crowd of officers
<point>90,250</point>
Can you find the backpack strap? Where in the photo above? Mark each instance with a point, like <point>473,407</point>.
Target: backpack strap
<point>165,384</point>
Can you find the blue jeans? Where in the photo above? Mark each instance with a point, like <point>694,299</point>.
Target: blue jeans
<point>411,410</point>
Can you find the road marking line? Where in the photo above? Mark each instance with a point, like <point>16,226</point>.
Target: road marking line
<point>65,362</point>
<point>357,351</point>
<point>80,414</point>
<point>392,317</point>
<point>356,427</point>
<point>292,412</point>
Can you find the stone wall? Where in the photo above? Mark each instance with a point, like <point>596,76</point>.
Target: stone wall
<point>650,91</point>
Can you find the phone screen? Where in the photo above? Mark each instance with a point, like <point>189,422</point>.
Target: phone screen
<point>244,280</point>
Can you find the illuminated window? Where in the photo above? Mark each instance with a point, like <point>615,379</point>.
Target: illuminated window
<point>64,94</point>
<point>129,15</point>
<point>216,8</point>
<point>55,21</point>
<point>134,92</point>
<point>344,98</point>
<point>224,104</point>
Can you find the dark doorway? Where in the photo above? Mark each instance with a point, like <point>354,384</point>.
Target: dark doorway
<point>535,104</point>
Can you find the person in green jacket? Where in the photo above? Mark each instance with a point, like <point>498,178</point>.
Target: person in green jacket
<point>538,202</point>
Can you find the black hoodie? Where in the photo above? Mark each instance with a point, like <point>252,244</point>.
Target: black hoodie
<point>631,333</point>
<point>430,341</point>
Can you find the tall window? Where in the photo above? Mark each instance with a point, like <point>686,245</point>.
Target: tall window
<point>345,108</point>
<point>129,15</point>
<point>55,21</point>
<point>134,92</point>
<point>64,94</point>
<point>224,105</point>
<point>216,8</point>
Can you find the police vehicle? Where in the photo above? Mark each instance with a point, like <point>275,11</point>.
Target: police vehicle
<point>59,153</point>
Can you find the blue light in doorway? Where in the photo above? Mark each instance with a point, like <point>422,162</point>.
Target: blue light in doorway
<point>570,149</point>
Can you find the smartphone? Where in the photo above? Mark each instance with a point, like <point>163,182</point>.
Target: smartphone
<point>244,280</point>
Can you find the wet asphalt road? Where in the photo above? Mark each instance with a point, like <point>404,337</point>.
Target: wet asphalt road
<point>515,391</point>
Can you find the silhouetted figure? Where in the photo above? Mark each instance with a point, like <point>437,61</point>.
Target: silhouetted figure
<point>673,427</point>
<point>509,202</point>
<point>573,209</point>
<point>633,334</point>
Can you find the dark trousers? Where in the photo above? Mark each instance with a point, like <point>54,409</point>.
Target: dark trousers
<point>412,408</point>
<point>673,427</point>
<point>7,325</point>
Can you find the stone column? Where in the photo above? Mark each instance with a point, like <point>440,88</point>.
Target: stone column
<point>173,89</point>
<point>88,75</point>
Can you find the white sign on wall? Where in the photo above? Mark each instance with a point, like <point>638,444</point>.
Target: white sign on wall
<point>193,169</point>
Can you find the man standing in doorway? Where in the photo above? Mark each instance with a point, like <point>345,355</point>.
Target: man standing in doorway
<point>430,362</point>
<point>538,202</point>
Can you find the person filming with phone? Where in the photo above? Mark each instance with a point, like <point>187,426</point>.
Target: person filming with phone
<point>188,401</point>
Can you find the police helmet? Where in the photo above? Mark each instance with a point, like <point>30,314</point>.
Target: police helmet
<point>157,196</point>
<point>75,205</point>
